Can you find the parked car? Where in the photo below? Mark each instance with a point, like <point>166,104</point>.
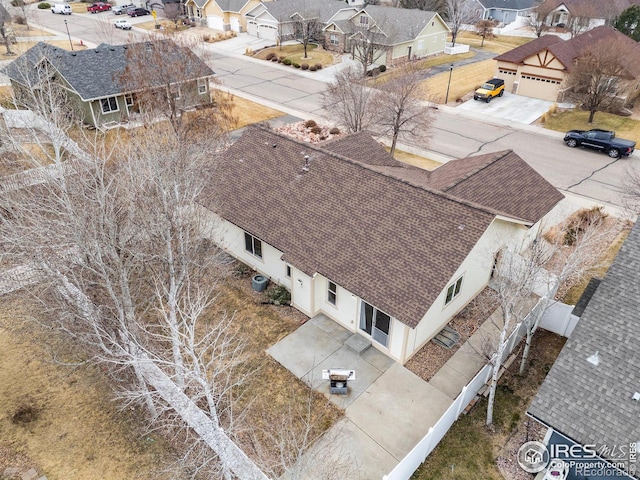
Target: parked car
<point>120,9</point>
<point>603,140</point>
<point>557,470</point>
<point>137,12</point>
<point>490,89</point>
<point>122,23</point>
<point>61,8</point>
<point>98,7</point>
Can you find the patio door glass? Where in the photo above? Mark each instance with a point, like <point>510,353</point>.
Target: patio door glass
<point>375,323</point>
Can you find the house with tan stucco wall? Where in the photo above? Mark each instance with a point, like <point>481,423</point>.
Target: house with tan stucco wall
<point>387,250</point>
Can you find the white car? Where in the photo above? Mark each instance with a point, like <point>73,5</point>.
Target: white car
<point>123,24</point>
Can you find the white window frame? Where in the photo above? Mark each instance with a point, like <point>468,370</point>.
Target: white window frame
<point>128,99</point>
<point>453,291</point>
<point>332,292</point>
<point>253,245</point>
<point>333,39</point>
<point>202,86</point>
<point>109,99</point>
<point>364,20</point>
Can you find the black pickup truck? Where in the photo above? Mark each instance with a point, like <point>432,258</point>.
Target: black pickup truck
<point>603,140</point>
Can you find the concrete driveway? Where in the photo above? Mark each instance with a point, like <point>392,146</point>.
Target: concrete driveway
<point>510,107</point>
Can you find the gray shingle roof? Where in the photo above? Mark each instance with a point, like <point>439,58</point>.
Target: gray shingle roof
<point>95,72</point>
<point>508,4</point>
<point>395,243</point>
<point>593,404</point>
<point>231,5</point>
<point>323,9</point>
<point>400,24</point>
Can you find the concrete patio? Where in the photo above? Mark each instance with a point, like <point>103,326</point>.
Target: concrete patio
<point>388,409</point>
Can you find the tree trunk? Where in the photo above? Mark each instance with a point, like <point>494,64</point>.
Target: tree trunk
<point>592,113</point>
<point>497,363</point>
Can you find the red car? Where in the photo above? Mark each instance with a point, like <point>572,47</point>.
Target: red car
<point>98,7</point>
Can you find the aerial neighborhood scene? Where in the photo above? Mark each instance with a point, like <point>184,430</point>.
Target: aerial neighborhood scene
<point>319,239</point>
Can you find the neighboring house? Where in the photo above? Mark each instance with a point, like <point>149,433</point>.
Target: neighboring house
<point>385,249</point>
<point>400,33</point>
<point>93,81</point>
<point>541,68</point>
<point>221,14</point>
<point>505,11</point>
<point>591,395</point>
<point>598,11</point>
<point>275,20</point>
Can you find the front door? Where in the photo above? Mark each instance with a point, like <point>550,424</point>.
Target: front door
<point>375,323</point>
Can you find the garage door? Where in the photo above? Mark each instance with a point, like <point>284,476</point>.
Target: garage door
<point>215,23</point>
<point>267,32</point>
<point>538,87</point>
<point>252,28</point>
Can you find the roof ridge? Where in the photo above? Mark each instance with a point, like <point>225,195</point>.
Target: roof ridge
<point>433,191</point>
<point>469,174</point>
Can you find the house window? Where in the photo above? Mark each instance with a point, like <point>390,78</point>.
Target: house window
<point>202,85</point>
<point>332,293</point>
<point>364,20</point>
<point>453,291</point>
<point>128,98</point>
<point>175,91</point>
<point>252,245</point>
<point>375,323</point>
<point>420,44</point>
<point>333,39</point>
<point>287,272</point>
<point>109,104</point>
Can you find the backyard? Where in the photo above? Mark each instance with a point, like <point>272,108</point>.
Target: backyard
<point>71,415</point>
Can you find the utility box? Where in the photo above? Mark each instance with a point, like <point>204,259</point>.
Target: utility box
<point>338,379</point>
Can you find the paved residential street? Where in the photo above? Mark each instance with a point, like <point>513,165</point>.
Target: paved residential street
<point>457,132</point>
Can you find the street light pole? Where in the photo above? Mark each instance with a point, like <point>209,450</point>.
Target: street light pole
<point>446,98</point>
<point>69,35</point>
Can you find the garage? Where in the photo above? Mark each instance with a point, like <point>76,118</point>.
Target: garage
<point>536,86</point>
<point>267,32</point>
<point>252,28</point>
<point>215,22</point>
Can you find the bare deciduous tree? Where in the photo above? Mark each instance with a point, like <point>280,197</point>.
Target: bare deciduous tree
<point>599,76</point>
<point>349,98</point>
<point>306,28</point>
<point>399,108</point>
<point>580,19</point>
<point>484,28</point>
<point>538,21</point>
<point>5,20</point>
<point>459,13</point>
<point>368,45</point>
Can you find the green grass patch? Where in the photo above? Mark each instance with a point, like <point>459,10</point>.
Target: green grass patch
<point>625,127</point>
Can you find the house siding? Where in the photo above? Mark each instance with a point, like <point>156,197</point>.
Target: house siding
<point>476,270</point>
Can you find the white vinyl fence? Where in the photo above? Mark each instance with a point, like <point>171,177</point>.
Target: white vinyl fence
<point>559,319</point>
<point>421,451</point>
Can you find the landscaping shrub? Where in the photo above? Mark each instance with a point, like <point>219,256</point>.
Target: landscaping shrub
<point>282,58</point>
<point>318,66</point>
<point>382,68</point>
<point>270,55</point>
<point>304,66</point>
<point>206,38</point>
<point>44,6</point>
<point>580,221</point>
<point>17,3</point>
<point>297,65</point>
<point>334,131</point>
<point>317,130</point>
<point>279,295</point>
<point>286,61</point>
<point>312,68</point>
<point>20,20</point>
<point>274,58</point>
<point>310,123</point>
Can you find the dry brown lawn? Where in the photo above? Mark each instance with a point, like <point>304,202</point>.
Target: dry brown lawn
<point>247,112</point>
<point>499,44</point>
<point>464,80</point>
<point>73,431</point>
<point>416,160</point>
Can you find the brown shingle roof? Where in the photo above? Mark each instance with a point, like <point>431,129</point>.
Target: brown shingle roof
<point>391,242</point>
<point>518,54</point>
<point>501,181</point>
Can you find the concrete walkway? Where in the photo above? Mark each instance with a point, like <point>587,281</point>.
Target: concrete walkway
<point>388,409</point>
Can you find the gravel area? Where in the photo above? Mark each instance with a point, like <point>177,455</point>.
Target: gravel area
<point>432,357</point>
<point>507,460</point>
